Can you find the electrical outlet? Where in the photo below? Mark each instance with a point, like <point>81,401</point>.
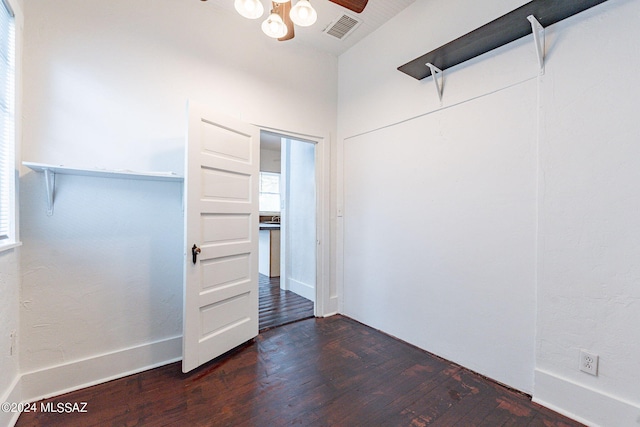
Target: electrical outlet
<point>589,362</point>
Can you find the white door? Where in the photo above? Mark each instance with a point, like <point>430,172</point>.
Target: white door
<point>221,235</point>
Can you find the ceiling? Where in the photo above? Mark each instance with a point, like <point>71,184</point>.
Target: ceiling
<point>374,15</point>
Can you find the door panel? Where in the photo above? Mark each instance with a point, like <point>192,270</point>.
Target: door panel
<point>222,229</point>
<point>226,142</point>
<point>225,271</point>
<point>219,185</point>
<point>221,219</point>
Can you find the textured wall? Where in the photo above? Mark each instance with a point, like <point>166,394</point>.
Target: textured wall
<point>589,274</point>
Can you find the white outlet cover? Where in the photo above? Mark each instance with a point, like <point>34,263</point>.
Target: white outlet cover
<point>589,362</point>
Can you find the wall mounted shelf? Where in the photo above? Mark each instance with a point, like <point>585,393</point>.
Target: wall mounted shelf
<point>506,29</point>
<point>50,172</point>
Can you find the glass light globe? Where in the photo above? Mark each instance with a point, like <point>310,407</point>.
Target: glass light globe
<point>303,13</point>
<point>274,27</point>
<point>251,9</point>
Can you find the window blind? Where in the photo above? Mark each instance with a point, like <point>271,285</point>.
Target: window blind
<point>7,117</point>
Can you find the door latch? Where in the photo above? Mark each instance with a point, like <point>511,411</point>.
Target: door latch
<point>194,252</point>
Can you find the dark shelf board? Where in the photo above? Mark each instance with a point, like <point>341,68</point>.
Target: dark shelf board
<point>507,28</point>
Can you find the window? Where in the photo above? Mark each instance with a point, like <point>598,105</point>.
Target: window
<point>269,192</point>
<point>7,124</point>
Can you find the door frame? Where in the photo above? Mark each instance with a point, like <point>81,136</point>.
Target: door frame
<point>325,304</point>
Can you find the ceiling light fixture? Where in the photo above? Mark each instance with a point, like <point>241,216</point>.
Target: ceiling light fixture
<point>275,26</point>
<point>251,9</point>
<point>303,14</point>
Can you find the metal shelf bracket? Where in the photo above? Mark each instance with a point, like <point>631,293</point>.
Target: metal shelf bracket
<point>439,83</point>
<point>538,39</point>
<point>50,185</point>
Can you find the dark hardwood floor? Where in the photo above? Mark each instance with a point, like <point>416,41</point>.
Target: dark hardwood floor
<point>278,307</point>
<point>315,372</point>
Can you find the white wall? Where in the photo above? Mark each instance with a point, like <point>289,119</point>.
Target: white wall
<point>439,202</point>
<point>106,85</point>
<point>498,229</point>
<point>588,270</point>
<point>373,93</point>
<point>9,291</point>
<point>440,233</point>
<point>103,273</point>
<point>299,229</point>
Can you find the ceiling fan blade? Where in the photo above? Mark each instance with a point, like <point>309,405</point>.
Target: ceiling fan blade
<point>356,6</point>
<point>283,10</point>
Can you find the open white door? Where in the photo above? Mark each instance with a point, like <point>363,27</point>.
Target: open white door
<point>221,227</point>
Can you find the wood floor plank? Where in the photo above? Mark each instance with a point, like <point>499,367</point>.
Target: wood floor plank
<point>472,398</point>
<point>315,372</point>
<point>278,307</point>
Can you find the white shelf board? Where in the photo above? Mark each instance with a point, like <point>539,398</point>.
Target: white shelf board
<point>104,173</point>
<point>50,172</point>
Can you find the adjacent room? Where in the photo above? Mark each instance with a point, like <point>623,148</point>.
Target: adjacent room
<point>287,240</point>
<point>450,196</point>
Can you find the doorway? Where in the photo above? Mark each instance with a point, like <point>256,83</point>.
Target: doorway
<point>221,203</point>
<point>288,230</point>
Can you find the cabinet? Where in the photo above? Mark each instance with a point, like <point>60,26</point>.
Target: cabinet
<point>269,251</point>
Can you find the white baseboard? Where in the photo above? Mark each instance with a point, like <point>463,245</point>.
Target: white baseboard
<point>588,406</point>
<point>332,307</point>
<point>13,395</point>
<point>57,380</point>
<point>303,289</point>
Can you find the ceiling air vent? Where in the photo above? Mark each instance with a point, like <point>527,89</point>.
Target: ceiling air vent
<point>342,26</point>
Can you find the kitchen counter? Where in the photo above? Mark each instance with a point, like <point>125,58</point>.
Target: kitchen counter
<point>269,226</point>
